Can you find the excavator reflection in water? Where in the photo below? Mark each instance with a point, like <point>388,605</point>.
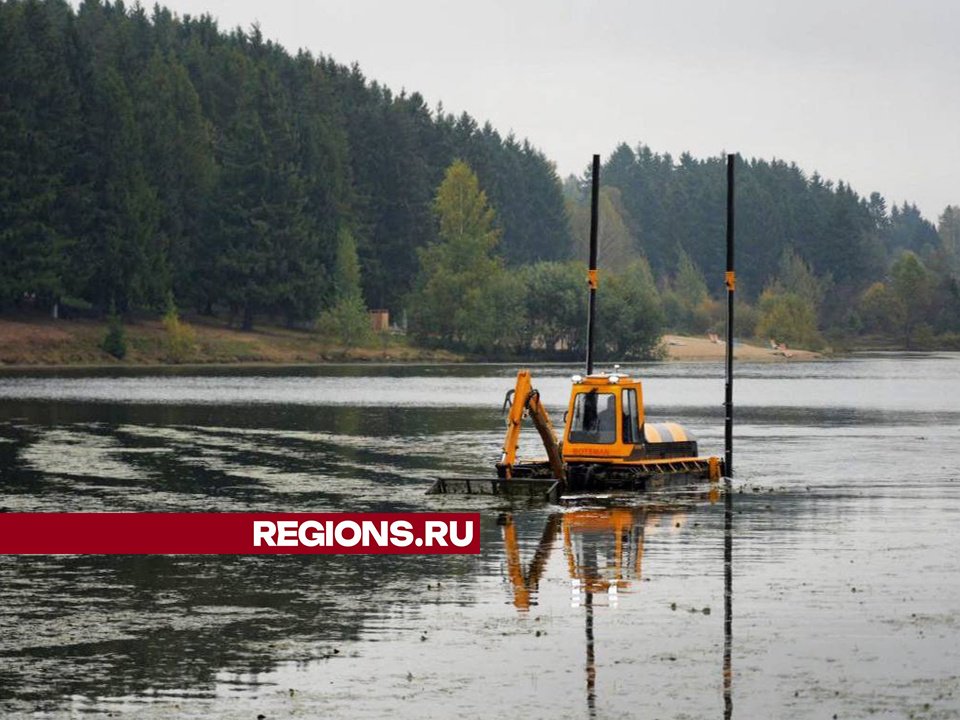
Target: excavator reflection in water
<point>603,549</point>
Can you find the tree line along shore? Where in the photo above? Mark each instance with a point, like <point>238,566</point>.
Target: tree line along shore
<point>41,342</point>
<point>156,168</point>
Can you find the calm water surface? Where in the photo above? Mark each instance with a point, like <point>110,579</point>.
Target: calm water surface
<point>845,574</point>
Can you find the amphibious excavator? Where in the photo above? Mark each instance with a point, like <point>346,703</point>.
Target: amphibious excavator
<point>607,442</point>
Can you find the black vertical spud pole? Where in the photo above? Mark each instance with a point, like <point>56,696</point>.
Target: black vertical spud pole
<point>592,274</point>
<point>731,282</point>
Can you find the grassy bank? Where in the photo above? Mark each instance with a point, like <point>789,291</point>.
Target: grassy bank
<point>42,341</point>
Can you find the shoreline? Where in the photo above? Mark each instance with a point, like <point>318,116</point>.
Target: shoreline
<point>45,344</point>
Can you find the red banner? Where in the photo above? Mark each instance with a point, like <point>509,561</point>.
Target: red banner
<point>238,533</point>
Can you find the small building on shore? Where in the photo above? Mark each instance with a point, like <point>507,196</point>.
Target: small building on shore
<point>380,320</point>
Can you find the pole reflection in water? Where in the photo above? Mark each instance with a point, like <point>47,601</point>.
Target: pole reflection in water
<point>591,658</point>
<point>727,598</point>
<point>587,536</point>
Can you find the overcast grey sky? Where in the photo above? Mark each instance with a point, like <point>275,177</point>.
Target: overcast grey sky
<point>867,91</point>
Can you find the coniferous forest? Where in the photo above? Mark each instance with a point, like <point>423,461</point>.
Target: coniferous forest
<point>150,162</point>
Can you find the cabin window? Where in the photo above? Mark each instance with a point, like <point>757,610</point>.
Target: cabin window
<point>594,418</point>
<point>631,421</point>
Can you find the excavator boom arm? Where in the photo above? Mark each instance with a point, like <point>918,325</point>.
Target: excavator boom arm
<point>526,401</point>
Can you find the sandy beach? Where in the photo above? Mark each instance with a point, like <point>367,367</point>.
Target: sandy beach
<point>686,348</point>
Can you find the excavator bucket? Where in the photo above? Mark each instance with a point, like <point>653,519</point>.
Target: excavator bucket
<point>547,489</point>
<point>523,401</point>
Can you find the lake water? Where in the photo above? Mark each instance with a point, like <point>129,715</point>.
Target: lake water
<point>844,519</point>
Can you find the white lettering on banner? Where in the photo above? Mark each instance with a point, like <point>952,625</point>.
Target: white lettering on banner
<point>264,530</point>
<point>467,534</point>
<point>367,533</point>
